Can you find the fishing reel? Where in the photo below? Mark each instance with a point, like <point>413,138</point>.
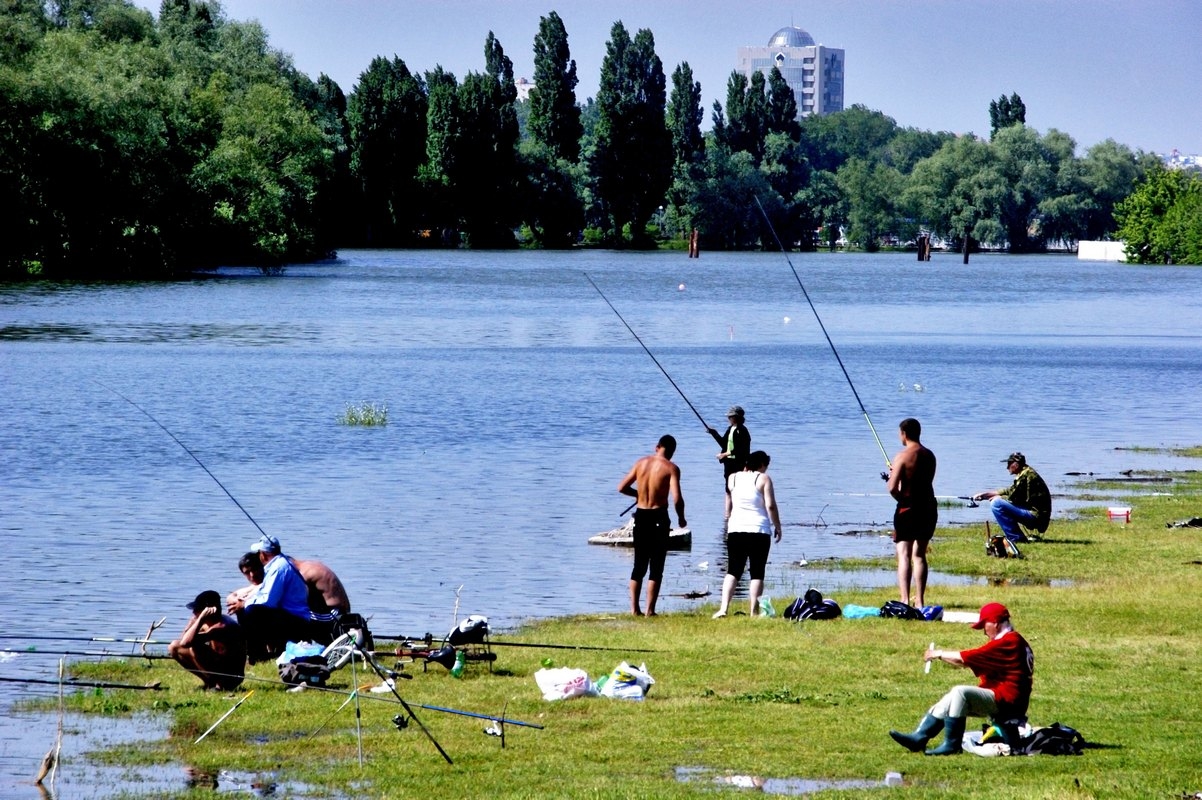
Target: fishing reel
<point>401,722</point>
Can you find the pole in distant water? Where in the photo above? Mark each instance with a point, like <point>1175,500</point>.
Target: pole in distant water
<point>647,350</point>
<point>824,333</point>
<point>186,450</point>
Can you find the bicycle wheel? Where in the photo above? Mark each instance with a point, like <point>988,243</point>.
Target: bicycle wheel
<point>339,651</point>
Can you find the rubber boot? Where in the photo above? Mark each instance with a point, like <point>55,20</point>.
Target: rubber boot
<point>953,737</point>
<point>916,742</point>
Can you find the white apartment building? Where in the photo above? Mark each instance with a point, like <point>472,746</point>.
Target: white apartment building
<point>813,71</point>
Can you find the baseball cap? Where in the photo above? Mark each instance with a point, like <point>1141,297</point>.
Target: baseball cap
<point>734,411</point>
<point>267,544</point>
<point>991,612</point>
<point>1015,457</point>
<point>206,599</point>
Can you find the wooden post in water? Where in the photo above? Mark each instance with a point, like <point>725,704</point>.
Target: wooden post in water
<point>967,241</point>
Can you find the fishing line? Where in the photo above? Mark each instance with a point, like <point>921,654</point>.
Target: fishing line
<point>186,450</point>
<point>647,350</point>
<point>785,253</point>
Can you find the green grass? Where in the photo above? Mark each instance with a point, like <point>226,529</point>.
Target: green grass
<point>1110,609</point>
<point>365,414</point>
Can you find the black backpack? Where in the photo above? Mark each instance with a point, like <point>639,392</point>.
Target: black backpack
<point>1054,740</point>
<point>812,606</point>
<point>899,610</point>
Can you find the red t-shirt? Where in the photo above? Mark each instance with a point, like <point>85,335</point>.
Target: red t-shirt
<point>1006,666</point>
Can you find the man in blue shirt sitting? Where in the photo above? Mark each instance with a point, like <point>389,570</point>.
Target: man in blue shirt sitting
<point>278,612</point>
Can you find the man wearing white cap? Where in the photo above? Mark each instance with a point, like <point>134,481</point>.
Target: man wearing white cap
<point>1005,666</point>
<point>278,612</point>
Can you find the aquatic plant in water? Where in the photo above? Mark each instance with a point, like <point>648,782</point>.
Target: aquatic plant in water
<point>368,414</point>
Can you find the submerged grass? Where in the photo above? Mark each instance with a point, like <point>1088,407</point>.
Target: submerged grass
<point>364,414</point>
<point>1110,609</point>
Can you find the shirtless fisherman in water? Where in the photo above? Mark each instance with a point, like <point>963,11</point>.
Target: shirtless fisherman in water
<point>650,481</point>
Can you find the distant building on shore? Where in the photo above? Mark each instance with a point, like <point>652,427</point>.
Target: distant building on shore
<point>813,71</point>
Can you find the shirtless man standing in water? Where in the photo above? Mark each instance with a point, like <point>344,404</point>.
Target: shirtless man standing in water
<point>911,483</point>
<point>650,481</point>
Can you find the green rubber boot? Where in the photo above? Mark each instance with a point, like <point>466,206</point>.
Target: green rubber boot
<point>916,742</point>
<point>953,737</point>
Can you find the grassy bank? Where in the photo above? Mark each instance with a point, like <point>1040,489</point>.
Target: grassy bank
<point>1110,609</point>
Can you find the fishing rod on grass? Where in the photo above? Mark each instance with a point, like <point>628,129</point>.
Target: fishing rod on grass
<point>188,451</point>
<point>785,253</point>
<point>493,643</point>
<point>103,639</point>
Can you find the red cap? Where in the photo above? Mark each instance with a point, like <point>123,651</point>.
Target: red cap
<point>991,612</point>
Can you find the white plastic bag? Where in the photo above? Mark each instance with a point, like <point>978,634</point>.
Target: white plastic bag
<point>560,683</point>
<point>626,682</point>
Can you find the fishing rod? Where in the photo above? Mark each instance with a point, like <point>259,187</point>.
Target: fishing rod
<point>86,684</point>
<point>491,643</point>
<point>104,639</point>
<point>785,253</point>
<point>188,451</point>
<point>647,350</point>
<point>96,653</point>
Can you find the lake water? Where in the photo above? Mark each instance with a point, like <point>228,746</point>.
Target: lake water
<point>517,400</point>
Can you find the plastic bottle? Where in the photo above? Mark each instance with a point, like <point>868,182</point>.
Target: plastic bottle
<point>460,661</point>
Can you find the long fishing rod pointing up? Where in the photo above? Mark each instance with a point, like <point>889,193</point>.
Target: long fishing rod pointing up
<point>785,253</point>
<point>189,452</point>
<point>653,358</point>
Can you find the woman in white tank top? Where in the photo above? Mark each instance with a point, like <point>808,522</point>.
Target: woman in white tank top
<point>754,523</point>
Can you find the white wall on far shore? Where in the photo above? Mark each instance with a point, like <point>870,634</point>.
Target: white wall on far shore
<point>1101,251</point>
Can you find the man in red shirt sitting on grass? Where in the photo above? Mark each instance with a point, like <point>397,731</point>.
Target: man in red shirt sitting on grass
<point>1005,666</point>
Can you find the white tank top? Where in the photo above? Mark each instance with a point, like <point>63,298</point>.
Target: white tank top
<point>747,511</point>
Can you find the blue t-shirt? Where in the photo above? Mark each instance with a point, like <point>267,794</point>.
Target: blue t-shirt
<point>282,588</point>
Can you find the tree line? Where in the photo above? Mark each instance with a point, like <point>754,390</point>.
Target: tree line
<point>135,145</point>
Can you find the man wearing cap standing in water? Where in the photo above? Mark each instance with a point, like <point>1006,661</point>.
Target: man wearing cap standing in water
<point>211,647</point>
<point>736,446</point>
<point>1025,502</point>
<point>1005,666</point>
<point>651,481</point>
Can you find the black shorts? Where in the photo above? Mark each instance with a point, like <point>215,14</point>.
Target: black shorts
<point>742,548</point>
<point>915,524</point>
<point>652,527</point>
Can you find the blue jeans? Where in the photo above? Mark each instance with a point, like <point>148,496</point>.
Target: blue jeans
<point>1010,516</point>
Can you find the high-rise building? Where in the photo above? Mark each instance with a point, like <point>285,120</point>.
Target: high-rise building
<point>813,71</point>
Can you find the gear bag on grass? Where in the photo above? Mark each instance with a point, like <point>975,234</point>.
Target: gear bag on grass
<point>811,605</point>
<point>1054,740</point>
<point>899,610</point>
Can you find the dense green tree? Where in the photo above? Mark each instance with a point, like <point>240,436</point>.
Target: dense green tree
<point>725,210</point>
<point>908,146</point>
<point>856,132</point>
<point>782,106</point>
<point>631,158</point>
<point>684,117</point>
<point>688,147</point>
<point>386,115</point>
<point>263,175</point>
<point>1028,168</point>
<point>1006,111</point>
<point>871,192</point>
<point>1161,221</point>
<point>820,209</point>
<point>554,116</point>
<point>958,193</point>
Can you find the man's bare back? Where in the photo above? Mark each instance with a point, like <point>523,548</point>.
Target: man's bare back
<point>653,477</point>
<point>321,578</point>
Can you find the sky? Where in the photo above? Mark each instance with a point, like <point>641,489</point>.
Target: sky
<point>1128,70</point>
